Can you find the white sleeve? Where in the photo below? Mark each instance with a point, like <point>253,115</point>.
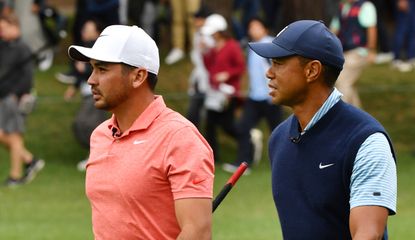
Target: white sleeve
<point>367,15</point>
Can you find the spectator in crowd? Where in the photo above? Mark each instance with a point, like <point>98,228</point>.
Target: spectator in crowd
<point>383,11</point>
<point>5,7</point>
<point>123,12</point>
<point>182,11</point>
<point>225,65</point>
<point>199,77</point>
<point>150,172</point>
<point>81,15</point>
<point>53,23</point>
<point>355,25</point>
<point>333,165</point>
<point>32,32</point>
<point>88,117</point>
<point>16,80</point>
<point>258,104</point>
<point>105,11</point>
<point>272,14</point>
<point>242,12</point>
<point>144,14</point>
<point>404,35</point>
<point>331,9</point>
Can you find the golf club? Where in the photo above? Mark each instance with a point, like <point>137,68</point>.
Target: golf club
<point>228,186</point>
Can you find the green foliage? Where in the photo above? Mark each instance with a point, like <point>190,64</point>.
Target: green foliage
<point>54,206</point>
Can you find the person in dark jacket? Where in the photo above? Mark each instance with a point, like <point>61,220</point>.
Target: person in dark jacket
<point>333,165</point>
<point>16,73</point>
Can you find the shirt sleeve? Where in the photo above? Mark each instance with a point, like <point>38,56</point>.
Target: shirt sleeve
<point>191,165</point>
<point>367,16</point>
<point>373,181</point>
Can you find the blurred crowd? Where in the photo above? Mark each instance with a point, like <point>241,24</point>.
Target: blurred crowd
<point>214,35</point>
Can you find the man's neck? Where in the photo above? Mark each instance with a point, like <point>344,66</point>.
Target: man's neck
<point>306,111</point>
<point>128,113</point>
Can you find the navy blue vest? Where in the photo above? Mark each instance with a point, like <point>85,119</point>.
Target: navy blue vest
<point>311,174</point>
<point>352,34</point>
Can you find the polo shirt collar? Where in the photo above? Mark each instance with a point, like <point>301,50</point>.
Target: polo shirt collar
<point>145,119</point>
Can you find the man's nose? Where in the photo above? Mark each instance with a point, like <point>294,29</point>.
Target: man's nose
<point>92,79</point>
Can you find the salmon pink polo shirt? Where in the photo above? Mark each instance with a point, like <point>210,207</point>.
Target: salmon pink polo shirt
<point>133,178</point>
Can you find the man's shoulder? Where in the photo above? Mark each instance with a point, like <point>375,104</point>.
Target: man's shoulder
<point>287,121</point>
<point>177,128</point>
<point>353,122</point>
<point>173,119</point>
<point>284,126</point>
<point>357,114</point>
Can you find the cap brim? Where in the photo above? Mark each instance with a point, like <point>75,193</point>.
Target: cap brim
<point>80,53</point>
<point>270,50</point>
<point>84,54</point>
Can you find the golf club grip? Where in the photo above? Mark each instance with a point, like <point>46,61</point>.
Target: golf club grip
<point>238,173</point>
<point>228,186</point>
<point>221,196</point>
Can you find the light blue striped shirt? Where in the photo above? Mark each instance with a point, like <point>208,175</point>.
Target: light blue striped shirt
<point>258,82</point>
<point>374,168</point>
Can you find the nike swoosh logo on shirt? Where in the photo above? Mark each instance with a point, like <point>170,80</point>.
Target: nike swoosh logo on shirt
<point>321,166</point>
<point>139,141</point>
<point>197,181</point>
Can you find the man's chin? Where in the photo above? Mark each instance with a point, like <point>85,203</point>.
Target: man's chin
<point>101,106</point>
<point>275,100</point>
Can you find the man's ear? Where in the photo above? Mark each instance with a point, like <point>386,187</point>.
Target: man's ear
<point>313,70</point>
<point>139,76</point>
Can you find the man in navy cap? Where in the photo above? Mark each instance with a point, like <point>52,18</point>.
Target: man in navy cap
<point>333,165</point>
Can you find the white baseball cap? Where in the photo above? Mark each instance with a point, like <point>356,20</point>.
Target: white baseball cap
<point>214,23</point>
<point>121,44</point>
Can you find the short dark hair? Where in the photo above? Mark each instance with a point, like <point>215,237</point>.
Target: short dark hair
<point>330,73</point>
<point>126,68</point>
<point>151,77</point>
<point>152,80</point>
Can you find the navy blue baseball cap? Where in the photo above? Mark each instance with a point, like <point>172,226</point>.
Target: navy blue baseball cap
<point>306,38</point>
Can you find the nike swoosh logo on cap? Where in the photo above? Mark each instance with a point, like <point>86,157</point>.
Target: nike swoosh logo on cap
<point>321,166</point>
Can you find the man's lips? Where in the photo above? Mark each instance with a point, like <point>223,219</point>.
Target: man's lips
<point>272,87</point>
<point>95,93</point>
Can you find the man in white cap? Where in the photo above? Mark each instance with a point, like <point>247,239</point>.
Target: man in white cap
<point>150,172</point>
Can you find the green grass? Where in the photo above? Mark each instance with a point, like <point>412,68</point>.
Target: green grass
<point>54,206</point>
